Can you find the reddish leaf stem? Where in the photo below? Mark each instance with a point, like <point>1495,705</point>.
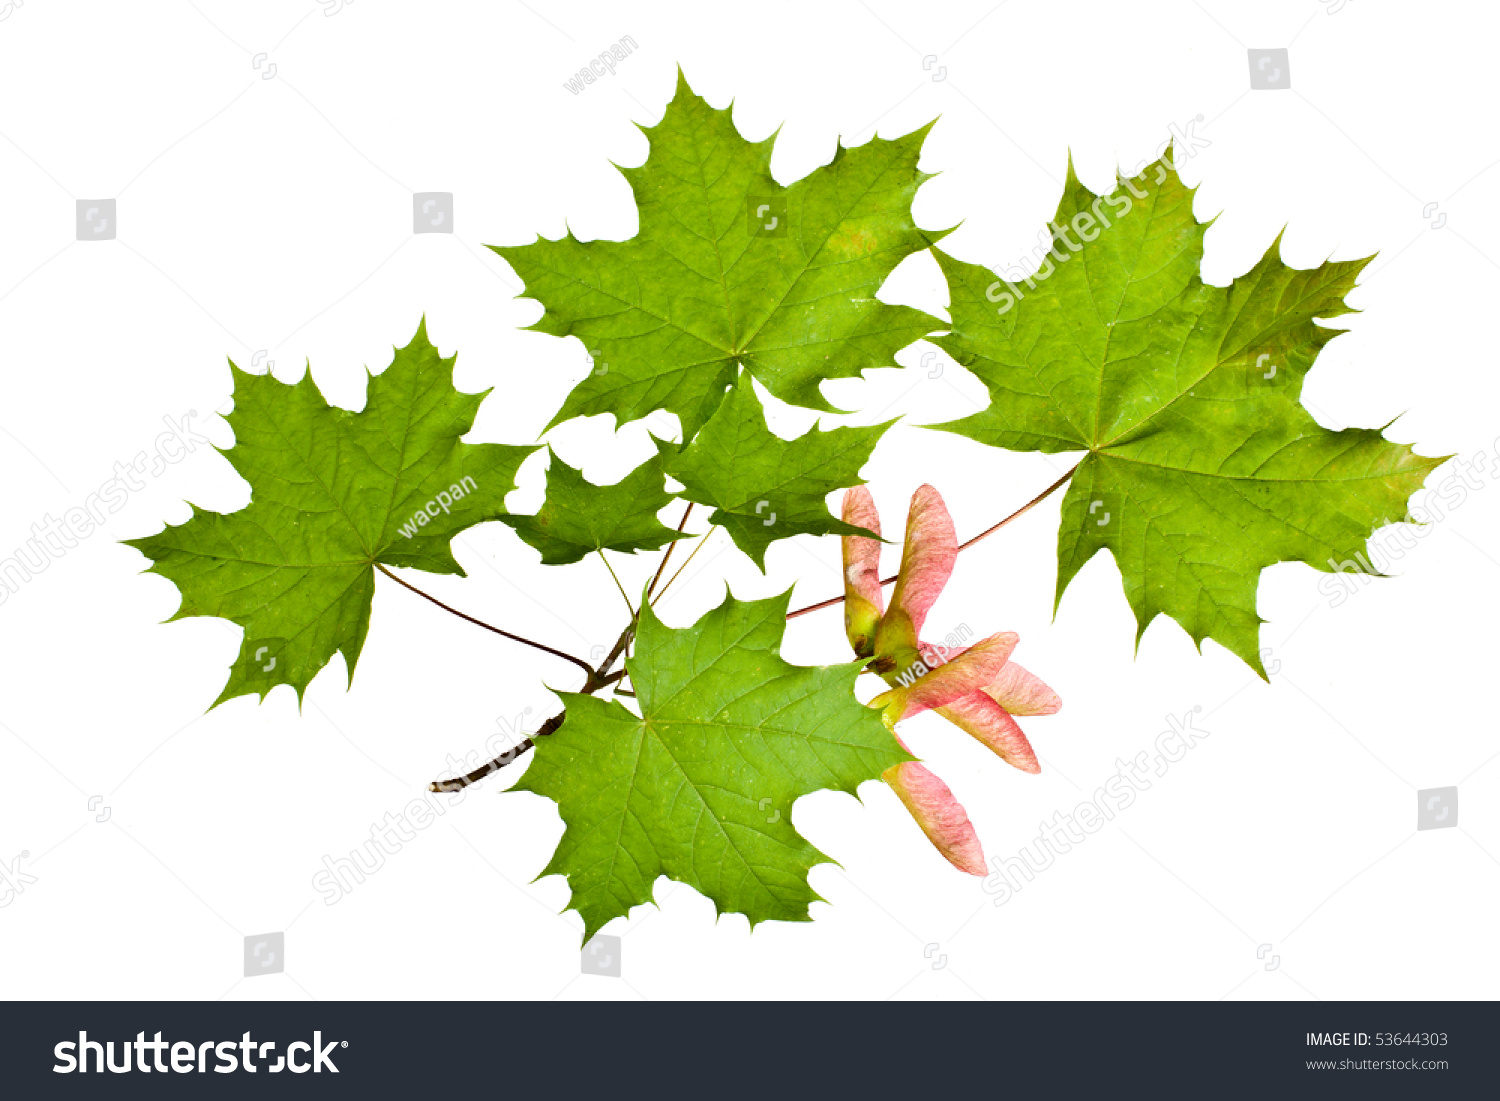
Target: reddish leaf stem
<point>585,666</point>
<point>661,569</point>
<point>1038,499</point>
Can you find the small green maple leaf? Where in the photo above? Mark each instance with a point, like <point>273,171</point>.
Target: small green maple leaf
<point>331,494</point>
<point>579,517</point>
<point>699,787</point>
<point>1202,467</point>
<point>729,268</point>
<point>764,488</point>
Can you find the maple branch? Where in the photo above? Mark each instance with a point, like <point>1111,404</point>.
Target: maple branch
<point>458,783</point>
<point>597,679</point>
<point>602,677</point>
<point>1028,506</point>
<point>585,666</point>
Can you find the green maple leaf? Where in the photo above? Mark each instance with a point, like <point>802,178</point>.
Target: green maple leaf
<point>699,787</point>
<point>764,488</point>
<point>712,280</point>
<point>1201,466</point>
<point>332,494</point>
<point>579,517</point>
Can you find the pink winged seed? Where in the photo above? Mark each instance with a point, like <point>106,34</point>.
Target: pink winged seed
<point>926,563</point>
<point>976,688</point>
<point>981,717</point>
<point>861,554</point>
<point>941,816</point>
<point>1023,693</point>
<point>948,681</point>
<point>1016,689</point>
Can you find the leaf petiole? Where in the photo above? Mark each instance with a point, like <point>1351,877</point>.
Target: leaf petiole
<point>629,607</point>
<point>585,666</point>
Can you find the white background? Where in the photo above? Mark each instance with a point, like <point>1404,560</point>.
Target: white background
<point>275,214</point>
